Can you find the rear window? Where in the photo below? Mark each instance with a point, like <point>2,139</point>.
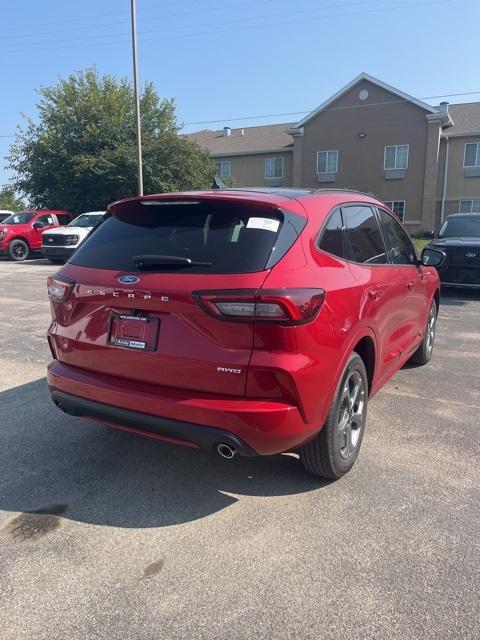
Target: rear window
<point>230,237</point>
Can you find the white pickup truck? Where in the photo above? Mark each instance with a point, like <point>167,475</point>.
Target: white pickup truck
<point>60,243</point>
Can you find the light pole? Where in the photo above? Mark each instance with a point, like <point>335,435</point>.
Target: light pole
<point>133,10</point>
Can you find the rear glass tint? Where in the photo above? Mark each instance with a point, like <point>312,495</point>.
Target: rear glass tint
<point>233,239</point>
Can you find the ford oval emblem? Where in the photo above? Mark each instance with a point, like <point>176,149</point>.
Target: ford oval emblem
<point>471,255</point>
<point>128,279</point>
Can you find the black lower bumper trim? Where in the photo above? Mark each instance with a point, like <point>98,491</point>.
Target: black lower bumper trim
<point>60,252</point>
<point>204,437</point>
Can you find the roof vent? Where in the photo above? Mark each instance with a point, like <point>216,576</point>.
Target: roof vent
<point>227,131</point>
<point>444,107</point>
<point>242,132</point>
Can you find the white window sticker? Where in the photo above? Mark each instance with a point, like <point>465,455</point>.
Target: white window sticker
<point>267,224</point>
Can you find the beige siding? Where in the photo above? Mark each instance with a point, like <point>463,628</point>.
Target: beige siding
<point>249,170</point>
<point>361,161</point>
<point>459,187</point>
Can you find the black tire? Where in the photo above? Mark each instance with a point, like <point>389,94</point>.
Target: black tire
<point>424,352</point>
<point>18,250</point>
<point>328,454</point>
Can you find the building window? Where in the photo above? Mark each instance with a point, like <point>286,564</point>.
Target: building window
<point>398,208</point>
<point>472,155</point>
<point>469,206</point>
<point>327,161</point>
<point>222,169</point>
<point>274,168</point>
<point>396,157</point>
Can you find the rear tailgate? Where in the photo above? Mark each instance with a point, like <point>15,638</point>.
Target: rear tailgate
<point>142,323</point>
<point>192,350</point>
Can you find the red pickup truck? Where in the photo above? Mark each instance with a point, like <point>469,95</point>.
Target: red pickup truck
<point>21,233</point>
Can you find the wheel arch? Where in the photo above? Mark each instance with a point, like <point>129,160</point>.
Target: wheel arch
<point>436,297</point>
<point>365,348</point>
<point>20,238</point>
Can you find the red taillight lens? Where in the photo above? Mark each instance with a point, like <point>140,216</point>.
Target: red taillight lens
<point>59,289</point>
<point>283,306</point>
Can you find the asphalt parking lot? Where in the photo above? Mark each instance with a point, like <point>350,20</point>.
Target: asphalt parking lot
<point>106,535</point>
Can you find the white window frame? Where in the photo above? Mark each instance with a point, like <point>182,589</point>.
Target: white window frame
<point>281,172</point>
<point>391,204</point>
<point>471,200</point>
<point>335,151</point>
<point>477,157</point>
<point>221,173</point>
<point>395,146</point>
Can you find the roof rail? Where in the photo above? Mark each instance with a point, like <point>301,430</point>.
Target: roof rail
<point>344,190</point>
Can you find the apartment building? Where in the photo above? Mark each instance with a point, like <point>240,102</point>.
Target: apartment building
<point>423,160</point>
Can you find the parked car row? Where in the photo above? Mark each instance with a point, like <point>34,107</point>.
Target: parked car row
<point>23,234</point>
<point>58,234</point>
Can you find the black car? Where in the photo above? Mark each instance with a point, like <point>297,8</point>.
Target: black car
<point>459,238</point>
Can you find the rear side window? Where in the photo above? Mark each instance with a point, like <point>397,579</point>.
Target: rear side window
<point>230,237</point>
<point>364,241</point>
<point>400,248</point>
<point>332,236</point>
<point>45,221</point>
<point>63,218</point>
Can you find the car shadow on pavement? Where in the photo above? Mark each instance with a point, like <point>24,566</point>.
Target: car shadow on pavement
<point>458,297</point>
<point>34,261</point>
<point>51,463</point>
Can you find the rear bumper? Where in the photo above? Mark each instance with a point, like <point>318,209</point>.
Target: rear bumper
<point>252,427</point>
<point>171,430</point>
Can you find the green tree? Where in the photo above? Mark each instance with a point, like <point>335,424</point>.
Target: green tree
<point>9,200</point>
<point>80,154</point>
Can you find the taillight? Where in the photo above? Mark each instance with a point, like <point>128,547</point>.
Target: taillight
<point>282,306</point>
<point>59,289</point>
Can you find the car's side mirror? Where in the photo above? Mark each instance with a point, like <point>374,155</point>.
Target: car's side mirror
<point>37,226</point>
<point>429,234</point>
<point>433,257</point>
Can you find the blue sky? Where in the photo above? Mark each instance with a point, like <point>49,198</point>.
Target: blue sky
<point>232,58</point>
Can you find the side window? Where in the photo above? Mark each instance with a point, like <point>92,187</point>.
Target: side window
<point>400,248</point>
<point>45,220</point>
<point>364,240</point>
<point>332,236</point>
<point>63,218</point>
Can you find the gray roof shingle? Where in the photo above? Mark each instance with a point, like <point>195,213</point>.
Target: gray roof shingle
<point>271,137</point>
<point>466,118</point>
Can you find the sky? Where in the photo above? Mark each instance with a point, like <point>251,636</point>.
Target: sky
<point>230,59</point>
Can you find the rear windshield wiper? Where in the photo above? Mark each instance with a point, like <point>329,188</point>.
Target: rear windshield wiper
<point>152,260</point>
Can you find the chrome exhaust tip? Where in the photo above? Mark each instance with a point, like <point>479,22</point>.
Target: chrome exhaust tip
<point>226,451</point>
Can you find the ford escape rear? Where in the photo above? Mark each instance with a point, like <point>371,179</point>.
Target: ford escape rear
<point>247,322</point>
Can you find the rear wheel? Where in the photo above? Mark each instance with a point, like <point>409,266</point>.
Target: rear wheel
<point>18,250</point>
<point>334,450</point>
<point>424,352</point>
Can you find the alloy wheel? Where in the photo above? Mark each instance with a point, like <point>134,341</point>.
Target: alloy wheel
<point>432,319</point>
<point>351,414</point>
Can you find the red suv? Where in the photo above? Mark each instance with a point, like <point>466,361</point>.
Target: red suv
<point>246,321</point>
<point>21,233</point>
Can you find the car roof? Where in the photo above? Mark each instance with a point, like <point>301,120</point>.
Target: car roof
<point>464,215</point>
<point>276,196</point>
